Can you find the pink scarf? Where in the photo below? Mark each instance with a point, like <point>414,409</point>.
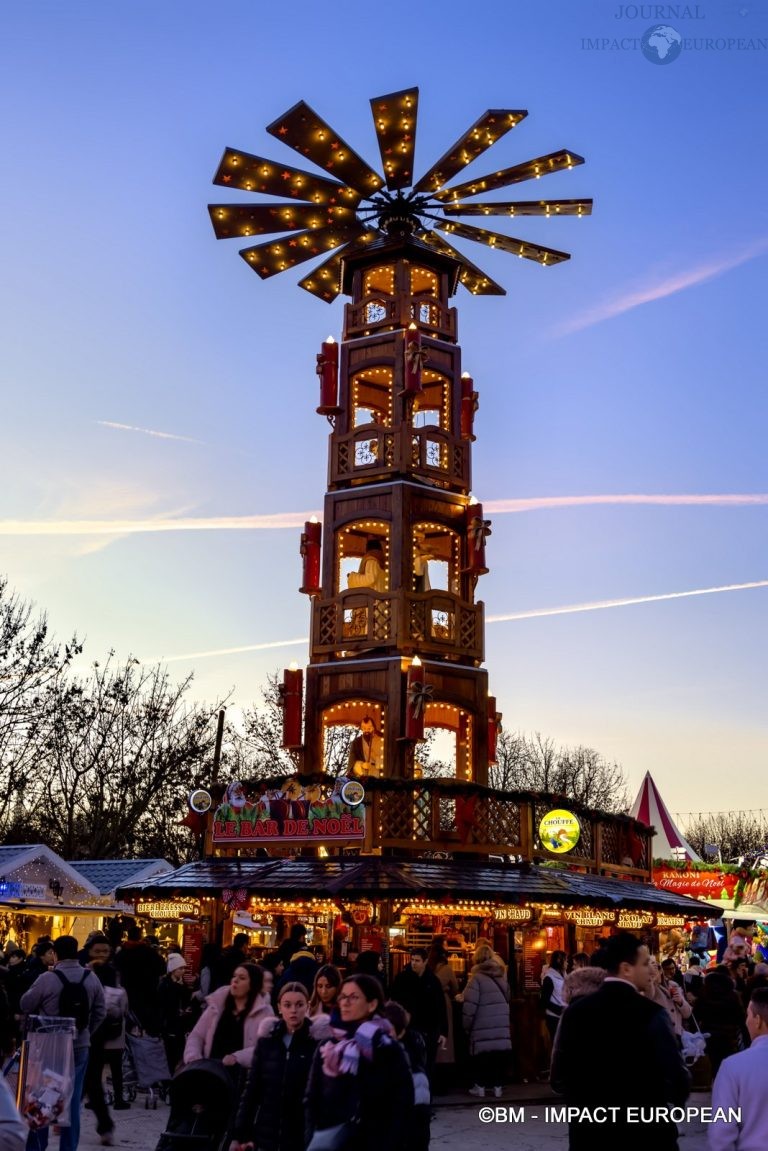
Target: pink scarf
<point>341,1055</point>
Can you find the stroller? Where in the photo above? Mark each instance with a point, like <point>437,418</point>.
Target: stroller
<point>144,1063</point>
<point>203,1097</point>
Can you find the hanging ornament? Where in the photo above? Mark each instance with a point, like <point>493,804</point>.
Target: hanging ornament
<point>235,899</point>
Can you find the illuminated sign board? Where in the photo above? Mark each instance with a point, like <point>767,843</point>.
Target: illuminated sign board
<point>589,916</point>
<point>171,909</point>
<point>292,813</point>
<point>559,831</point>
<point>512,914</point>
<point>634,920</point>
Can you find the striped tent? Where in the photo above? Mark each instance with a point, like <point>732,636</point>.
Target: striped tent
<point>651,809</point>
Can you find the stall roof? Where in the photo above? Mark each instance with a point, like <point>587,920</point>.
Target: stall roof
<point>108,874</point>
<point>373,876</point>
<point>13,857</point>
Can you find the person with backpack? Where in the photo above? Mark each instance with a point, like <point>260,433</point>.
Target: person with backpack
<point>67,991</point>
<point>108,1041</point>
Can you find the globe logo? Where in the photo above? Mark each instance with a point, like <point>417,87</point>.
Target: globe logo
<point>661,44</point>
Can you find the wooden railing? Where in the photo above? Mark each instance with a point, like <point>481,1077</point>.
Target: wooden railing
<point>450,817</point>
<point>434,622</point>
<point>380,312</point>
<point>373,453</point>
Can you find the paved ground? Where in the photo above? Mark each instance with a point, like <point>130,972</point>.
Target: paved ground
<point>520,1120</point>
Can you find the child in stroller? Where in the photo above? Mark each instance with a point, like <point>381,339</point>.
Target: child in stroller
<point>203,1098</point>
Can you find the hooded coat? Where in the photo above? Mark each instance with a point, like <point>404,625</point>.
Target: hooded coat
<point>200,1039</point>
<point>485,1013</point>
<point>269,1114</point>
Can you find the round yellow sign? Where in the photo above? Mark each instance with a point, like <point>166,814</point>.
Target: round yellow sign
<point>559,831</point>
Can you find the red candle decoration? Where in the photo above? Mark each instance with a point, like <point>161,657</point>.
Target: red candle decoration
<point>469,405</point>
<point>494,727</point>
<point>415,359</point>
<point>477,531</point>
<point>418,694</point>
<point>292,691</point>
<point>328,371</point>
<point>310,556</point>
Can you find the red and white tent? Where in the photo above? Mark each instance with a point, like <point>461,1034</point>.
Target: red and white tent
<point>650,808</point>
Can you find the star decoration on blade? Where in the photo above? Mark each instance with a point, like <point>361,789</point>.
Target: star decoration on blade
<point>351,205</point>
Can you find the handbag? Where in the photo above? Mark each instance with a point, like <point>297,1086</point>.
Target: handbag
<point>337,1138</point>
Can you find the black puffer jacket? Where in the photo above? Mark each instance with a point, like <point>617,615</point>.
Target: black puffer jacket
<point>379,1097</point>
<point>270,1114</point>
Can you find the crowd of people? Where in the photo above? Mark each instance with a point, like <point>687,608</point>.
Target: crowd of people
<point>364,1059</point>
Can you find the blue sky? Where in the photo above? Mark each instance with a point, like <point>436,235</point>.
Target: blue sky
<point>637,368</point>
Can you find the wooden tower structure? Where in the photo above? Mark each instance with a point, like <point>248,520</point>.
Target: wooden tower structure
<point>397,630</point>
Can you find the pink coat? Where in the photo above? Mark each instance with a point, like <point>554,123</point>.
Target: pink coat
<point>200,1039</point>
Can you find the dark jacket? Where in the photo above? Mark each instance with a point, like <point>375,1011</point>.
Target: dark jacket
<point>302,969</point>
<point>44,994</point>
<point>423,998</point>
<point>616,1048</point>
<point>270,1113</point>
<point>379,1096</point>
<point>141,968</point>
<point>485,1013</point>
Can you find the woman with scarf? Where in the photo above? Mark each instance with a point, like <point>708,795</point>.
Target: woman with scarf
<point>227,1029</point>
<point>269,1116</point>
<point>360,1091</point>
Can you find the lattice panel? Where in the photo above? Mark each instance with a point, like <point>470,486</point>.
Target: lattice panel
<point>382,620</point>
<point>327,627</point>
<point>458,460</point>
<point>610,843</point>
<point>417,628</point>
<point>468,630</point>
<point>399,815</point>
<point>496,821</point>
<point>422,815</point>
<point>585,846</point>
<point>343,457</point>
<point>447,812</point>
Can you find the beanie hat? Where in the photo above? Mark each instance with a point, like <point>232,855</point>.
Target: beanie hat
<point>175,961</point>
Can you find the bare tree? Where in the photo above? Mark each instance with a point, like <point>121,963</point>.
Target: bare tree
<point>120,752</point>
<point>535,763</point>
<point>735,834</point>
<point>30,663</point>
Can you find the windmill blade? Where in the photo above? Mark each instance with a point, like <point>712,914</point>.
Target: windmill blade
<point>394,117</point>
<point>279,255</point>
<point>530,170</point>
<point>491,126</point>
<point>257,174</point>
<point>301,128</point>
<point>505,243</point>
<point>238,220</point>
<point>325,280</point>
<point>522,208</point>
<point>473,278</point>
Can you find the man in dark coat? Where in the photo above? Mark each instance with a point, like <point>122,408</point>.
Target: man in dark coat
<point>141,968</point>
<point>230,959</point>
<point>617,1060</point>
<point>421,993</point>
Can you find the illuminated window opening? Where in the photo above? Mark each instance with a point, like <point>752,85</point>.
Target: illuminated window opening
<point>362,555</point>
<point>353,738</point>
<point>436,554</point>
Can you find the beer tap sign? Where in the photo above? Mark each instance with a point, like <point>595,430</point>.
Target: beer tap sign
<point>469,405</point>
<point>416,357</point>
<point>292,692</point>
<point>328,371</point>
<point>418,694</point>
<point>310,556</point>
<point>478,529</point>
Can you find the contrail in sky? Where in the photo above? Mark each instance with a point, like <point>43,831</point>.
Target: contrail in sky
<point>666,287</point>
<point>282,520</point>
<point>598,605</point>
<point>147,432</point>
